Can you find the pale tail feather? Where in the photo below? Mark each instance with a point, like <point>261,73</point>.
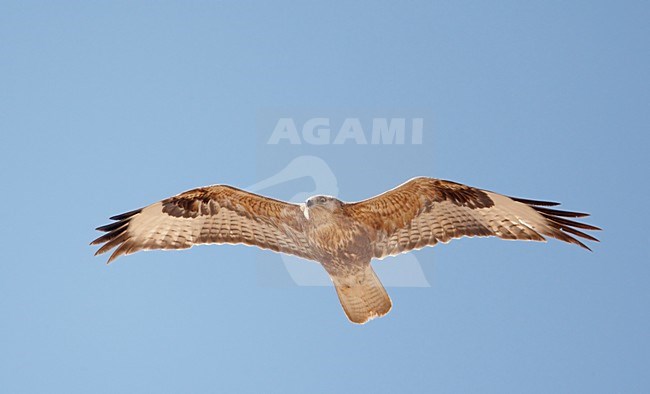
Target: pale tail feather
<point>362,296</point>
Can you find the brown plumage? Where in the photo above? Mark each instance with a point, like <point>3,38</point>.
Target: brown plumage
<point>343,237</point>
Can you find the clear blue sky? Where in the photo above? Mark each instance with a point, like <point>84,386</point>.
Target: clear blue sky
<point>109,106</point>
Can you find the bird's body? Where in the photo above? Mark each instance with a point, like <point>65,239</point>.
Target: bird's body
<point>344,248</point>
<point>342,237</point>
<point>335,238</point>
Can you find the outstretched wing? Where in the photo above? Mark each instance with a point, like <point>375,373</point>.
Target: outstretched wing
<point>425,211</point>
<point>208,215</point>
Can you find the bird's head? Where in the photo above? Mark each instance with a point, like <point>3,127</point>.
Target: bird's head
<point>321,204</point>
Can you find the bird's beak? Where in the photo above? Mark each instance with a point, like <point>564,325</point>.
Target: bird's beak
<point>305,210</point>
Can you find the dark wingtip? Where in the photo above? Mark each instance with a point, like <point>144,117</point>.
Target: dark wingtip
<point>111,258</point>
<point>578,242</point>
<point>126,215</point>
<point>536,202</point>
<point>578,233</point>
<point>116,234</point>
<point>111,226</point>
<point>557,212</point>
<point>561,227</point>
<point>570,223</point>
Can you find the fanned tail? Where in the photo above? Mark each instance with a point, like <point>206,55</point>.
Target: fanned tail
<point>362,295</point>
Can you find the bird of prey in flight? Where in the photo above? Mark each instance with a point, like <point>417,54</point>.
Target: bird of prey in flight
<point>343,237</point>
